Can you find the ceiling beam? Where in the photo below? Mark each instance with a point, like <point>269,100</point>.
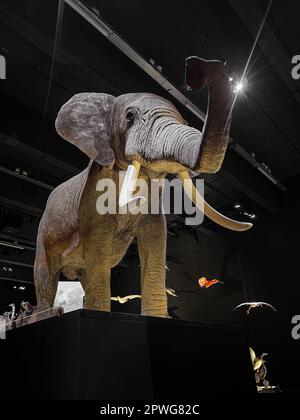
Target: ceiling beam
<point>37,154</point>
<point>34,211</point>
<point>20,241</point>
<point>26,178</point>
<point>18,263</point>
<point>17,280</point>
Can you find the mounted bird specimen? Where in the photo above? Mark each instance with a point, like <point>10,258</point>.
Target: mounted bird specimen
<point>260,369</point>
<point>205,284</point>
<point>254,305</point>
<point>125,299</point>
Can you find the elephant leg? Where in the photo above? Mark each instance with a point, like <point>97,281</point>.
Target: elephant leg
<point>97,256</point>
<point>151,238</point>
<point>82,279</point>
<point>46,278</point>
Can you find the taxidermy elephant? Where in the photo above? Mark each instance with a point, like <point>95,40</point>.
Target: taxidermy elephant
<point>145,135</point>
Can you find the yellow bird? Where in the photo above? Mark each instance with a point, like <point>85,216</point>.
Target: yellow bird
<point>125,298</point>
<point>257,361</point>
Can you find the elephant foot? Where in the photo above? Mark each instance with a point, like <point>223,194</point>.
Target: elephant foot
<point>95,305</point>
<point>155,312</point>
<point>43,306</point>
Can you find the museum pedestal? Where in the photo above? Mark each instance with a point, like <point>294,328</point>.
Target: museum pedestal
<point>112,356</point>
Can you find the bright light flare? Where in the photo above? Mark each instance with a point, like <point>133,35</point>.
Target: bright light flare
<point>240,86</point>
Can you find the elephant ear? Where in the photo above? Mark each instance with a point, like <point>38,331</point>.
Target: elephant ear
<point>85,121</point>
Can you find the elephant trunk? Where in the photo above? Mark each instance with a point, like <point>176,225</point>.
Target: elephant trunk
<point>176,142</point>
<point>200,73</point>
<point>173,142</point>
<point>212,143</point>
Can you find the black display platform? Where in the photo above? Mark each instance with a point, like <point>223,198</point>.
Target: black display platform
<point>112,356</point>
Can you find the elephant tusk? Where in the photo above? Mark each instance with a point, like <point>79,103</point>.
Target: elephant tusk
<point>129,184</point>
<point>210,212</point>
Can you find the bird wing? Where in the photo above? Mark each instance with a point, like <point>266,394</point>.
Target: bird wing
<point>252,355</point>
<point>243,304</point>
<point>212,282</point>
<point>129,297</point>
<point>269,305</point>
<point>171,292</point>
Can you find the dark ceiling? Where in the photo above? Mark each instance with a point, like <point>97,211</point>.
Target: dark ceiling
<point>52,53</point>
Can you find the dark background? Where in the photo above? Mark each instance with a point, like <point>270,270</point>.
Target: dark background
<point>42,74</point>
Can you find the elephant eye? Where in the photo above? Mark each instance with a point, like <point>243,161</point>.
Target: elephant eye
<point>129,118</point>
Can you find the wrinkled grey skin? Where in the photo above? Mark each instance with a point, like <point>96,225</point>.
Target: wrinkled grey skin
<point>73,238</point>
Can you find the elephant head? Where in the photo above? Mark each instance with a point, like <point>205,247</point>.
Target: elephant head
<point>144,130</point>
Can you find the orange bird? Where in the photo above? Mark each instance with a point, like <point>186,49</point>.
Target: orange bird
<point>205,284</point>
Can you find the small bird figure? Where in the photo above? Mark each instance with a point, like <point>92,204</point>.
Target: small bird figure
<point>9,317</point>
<point>13,311</point>
<point>6,317</point>
<point>257,361</point>
<point>205,284</point>
<point>125,298</point>
<point>253,305</point>
<point>171,292</point>
<point>26,308</point>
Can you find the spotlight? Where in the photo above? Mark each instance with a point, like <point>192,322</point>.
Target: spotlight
<point>15,287</point>
<point>240,85</point>
<point>237,206</point>
<point>250,215</point>
<point>22,288</point>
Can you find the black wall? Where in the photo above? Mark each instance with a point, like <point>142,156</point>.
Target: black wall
<point>270,258</point>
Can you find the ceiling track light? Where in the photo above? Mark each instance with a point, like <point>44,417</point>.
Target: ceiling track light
<point>11,245</point>
<point>245,212</point>
<point>251,216</point>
